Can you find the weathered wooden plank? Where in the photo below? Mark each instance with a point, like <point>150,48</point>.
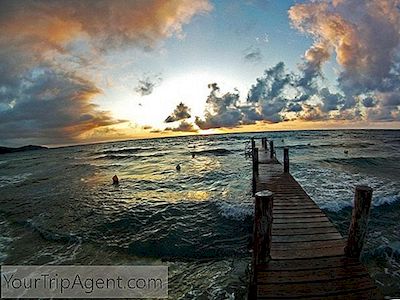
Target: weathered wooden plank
<point>303,231</point>
<point>295,276</point>
<point>299,215</point>
<point>301,225</point>
<point>367,294</point>
<point>296,210</point>
<point>307,245</point>
<point>290,206</point>
<point>307,264</point>
<point>300,220</point>
<point>307,237</point>
<point>318,288</point>
<point>306,253</point>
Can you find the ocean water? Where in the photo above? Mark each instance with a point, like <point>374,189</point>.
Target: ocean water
<point>58,206</point>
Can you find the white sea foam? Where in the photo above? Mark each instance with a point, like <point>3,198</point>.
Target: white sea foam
<point>235,210</point>
<point>5,239</point>
<point>386,200</point>
<point>9,180</point>
<point>333,190</point>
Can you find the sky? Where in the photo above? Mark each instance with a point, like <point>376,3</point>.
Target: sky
<point>88,71</point>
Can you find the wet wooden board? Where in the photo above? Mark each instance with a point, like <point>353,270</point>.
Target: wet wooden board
<point>308,260</point>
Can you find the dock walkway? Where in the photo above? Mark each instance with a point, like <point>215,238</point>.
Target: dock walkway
<point>307,252</point>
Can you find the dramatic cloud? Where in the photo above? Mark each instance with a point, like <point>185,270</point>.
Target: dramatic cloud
<point>108,24</point>
<point>269,93</point>
<point>52,107</point>
<point>313,113</point>
<point>364,36</point>
<point>221,111</point>
<point>47,48</point>
<point>181,112</point>
<point>183,127</point>
<point>146,85</point>
<point>253,55</point>
<point>369,102</point>
<point>330,101</point>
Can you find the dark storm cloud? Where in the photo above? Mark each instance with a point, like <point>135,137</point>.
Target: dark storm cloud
<point>369,102</point>
<point>181,112</point>
<point>330,101</point>
<point>294,107</point>
<point>53,107</point>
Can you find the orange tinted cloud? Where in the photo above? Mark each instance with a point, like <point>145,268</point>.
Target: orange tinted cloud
<point>365,38</point>
<point>108,24</point>
<point>45,94</point>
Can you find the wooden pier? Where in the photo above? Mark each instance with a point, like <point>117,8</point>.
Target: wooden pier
<point>297,252</point>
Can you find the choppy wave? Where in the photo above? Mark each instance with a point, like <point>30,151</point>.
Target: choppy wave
<point>330,146</point>
<point>13,179</point>
<point>383,166</point>
<point>5,239</point>
<point>128,150</point>
<point>333,189</point>
<point>116,157</point>
<point>52,235</point>
<point>203,213</point>
<point>216,152</point>
<point>236,211</point>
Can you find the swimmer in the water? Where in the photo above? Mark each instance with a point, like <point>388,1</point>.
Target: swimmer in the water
<point>178,167</point>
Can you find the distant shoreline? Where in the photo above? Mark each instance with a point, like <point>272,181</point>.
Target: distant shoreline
<point>4,150</point>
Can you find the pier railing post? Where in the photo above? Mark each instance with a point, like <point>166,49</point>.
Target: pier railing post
<point>286,160</point>
<point>255,160</point>
<point>262,230</point>
<point>271,149</point>
<point>359,222</point>
<point>264,142</point>
<point>254,155</point>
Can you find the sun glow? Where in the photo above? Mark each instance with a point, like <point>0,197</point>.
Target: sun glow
<point>189,88</point>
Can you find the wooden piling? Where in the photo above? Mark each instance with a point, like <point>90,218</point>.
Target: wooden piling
<point>253,144</point>
<point>264,143</point>
<point>359,222</point>
<point>286,160</point>
<point>262,230</point>
<point>255,160</point>
<point>271,149</point>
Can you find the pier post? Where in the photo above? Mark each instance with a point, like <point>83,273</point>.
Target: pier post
<point>262,230</point>
<point>254,155</point>
<point>286,160</point>
<point>255,160</point>
<point>271,149</point>
<point>264,142</point>
<point>359,222</point>
<point>253,144</point>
